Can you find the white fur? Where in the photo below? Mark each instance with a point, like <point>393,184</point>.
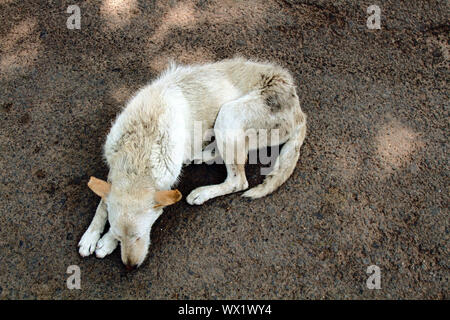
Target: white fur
<point>155,134</point>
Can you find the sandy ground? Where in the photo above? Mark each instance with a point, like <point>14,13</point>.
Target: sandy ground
<point>370,188</point>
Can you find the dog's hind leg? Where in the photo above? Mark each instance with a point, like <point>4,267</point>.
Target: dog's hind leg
<point>251,115</point>
<point>232,145</point>
<point>90,238</point>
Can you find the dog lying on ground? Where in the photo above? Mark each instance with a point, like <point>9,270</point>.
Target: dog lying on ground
<point>154,135</point>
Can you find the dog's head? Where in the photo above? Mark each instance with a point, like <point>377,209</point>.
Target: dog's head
<point>131,215</point>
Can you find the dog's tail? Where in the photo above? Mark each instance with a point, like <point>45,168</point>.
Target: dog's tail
<point>284,165</point>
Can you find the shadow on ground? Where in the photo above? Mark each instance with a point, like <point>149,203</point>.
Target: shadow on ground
<point>371,186</point>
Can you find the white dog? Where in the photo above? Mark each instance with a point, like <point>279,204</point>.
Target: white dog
<point>154,135</point>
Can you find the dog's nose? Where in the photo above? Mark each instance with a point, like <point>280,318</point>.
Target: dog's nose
<point>130,267</point>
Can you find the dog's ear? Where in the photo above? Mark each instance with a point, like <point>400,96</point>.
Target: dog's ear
<point>100,187</point>
<point>166,198</point>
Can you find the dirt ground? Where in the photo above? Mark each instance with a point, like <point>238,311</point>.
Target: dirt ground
<point>370,188</point>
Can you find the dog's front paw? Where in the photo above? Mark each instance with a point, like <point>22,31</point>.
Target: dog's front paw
<point>105,246</point>
<point>88,242</point>
<point>198,196</point>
